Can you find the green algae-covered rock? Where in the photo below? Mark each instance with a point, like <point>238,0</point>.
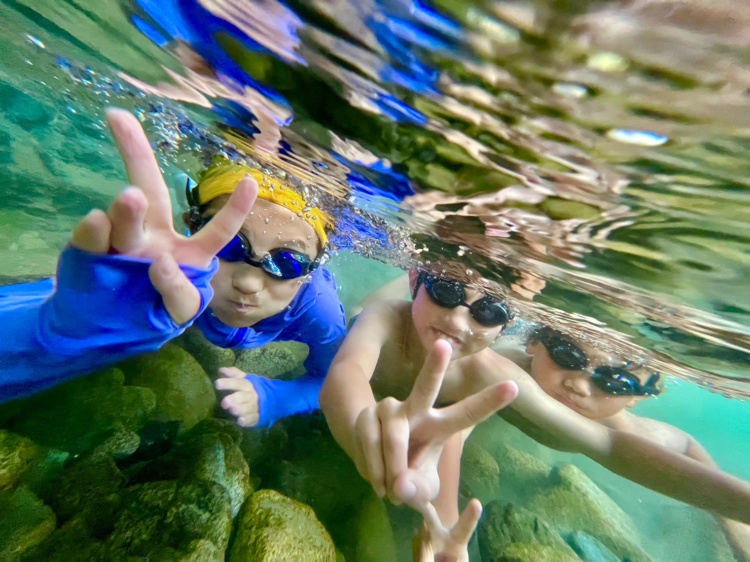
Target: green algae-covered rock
<point>520,469</point>
<point>209,451</point>
<point>183,391</point>
<point>572,502</point>
<point>480,474</point>
<point>82,414</point>
<point>89,490</point>
<point>274,528</point>
<point>374,541</point>
<point>172,520</point>
<point>589,549</point>
<point>503,526</point>
<point>24,523</point>
<point>72,541</point>
<point>520,552</point>
<point>17,455</point>
<point>273,360</point>
<point>210,356</point>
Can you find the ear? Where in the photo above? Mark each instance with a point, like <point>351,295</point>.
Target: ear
<point>413,274</point>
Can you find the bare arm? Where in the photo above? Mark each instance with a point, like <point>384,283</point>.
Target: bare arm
<point>346,391</point>
<point>633,457</point>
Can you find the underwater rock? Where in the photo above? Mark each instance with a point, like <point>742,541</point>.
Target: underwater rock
<point>16,456</point>
<point>503,526</point>
<point>88,490</point>
<point>183,391</point>
<point>520,552</point>
<point>72,541</point>
<point>373,536</point>
<point>521,469</point>
<point>84,413</point>
<point>273,360</point>
<point>209,451</point>
<point>274,528</point>
<point>27,112</point>
<point>210,356</point>
<point>172,520</point>
<point>589,549</point>
<point>25,522</point>
<point>572,502</point>
<point>480,474</point>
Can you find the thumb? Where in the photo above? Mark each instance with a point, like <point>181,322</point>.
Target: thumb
<point>181,299</point>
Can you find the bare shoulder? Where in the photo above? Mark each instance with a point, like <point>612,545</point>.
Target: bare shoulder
<point>660,432</point>
<point>391,311</point>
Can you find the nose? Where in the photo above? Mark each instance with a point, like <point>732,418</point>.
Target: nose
<point>578,383</point>
<point>248,279</point>
<point>457,319</point>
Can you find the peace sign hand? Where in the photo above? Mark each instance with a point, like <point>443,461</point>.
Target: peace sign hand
<point>439,544</point>
<point>139,222</point>
<point>399,444</point>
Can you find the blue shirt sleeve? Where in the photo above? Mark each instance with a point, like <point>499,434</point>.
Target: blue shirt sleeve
<point>322,326</point>
<point>99,310</point>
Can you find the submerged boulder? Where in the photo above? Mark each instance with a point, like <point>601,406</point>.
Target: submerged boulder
<point>274,528</point>
<point>572,502</point>
<point>480,474</point>
<point>504,527</point>
<point>589,549</point>
<point>182,389</point>
<point>23,460</point>
<point>274,359</point>
<point>211,357</point>
<point>172,520</point>
<point>82,414</point>
<point>209,451</point>
<point>25,522</point>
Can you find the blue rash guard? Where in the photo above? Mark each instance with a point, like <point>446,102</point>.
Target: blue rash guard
<point>102,309</point>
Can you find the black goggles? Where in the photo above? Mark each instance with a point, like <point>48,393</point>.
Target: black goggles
<point>610,379</point>
<point>279,263</point>
<point>487,311</point>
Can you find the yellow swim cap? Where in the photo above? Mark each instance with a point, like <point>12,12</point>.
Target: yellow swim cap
<point>222,178</point>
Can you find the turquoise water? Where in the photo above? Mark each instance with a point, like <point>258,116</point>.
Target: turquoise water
<point>626,150</point>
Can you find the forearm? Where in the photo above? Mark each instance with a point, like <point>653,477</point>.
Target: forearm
<point>346,392</point>
<point>677,476</point>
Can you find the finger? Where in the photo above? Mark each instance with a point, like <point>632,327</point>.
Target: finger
<point>181,299</point>
<point>92,233</point>
<point>127,214</point>
<point>395,436</point>
<point>141,165</point>
<point>432,519</point>
<point>232,372</point>
<point>467,522</point>
<point>228,221</point>
<point>238,385</point>
<point>475,408</point>
<point>370,440</point>
<point>248,421</point>
<point>238,399</point>
<point>414,489</point>
<point>430,378</point>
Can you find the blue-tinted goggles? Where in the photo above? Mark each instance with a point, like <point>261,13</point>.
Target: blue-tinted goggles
<point>280,263</point>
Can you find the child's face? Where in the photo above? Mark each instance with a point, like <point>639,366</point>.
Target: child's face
<point>455,325</point>
<point>245,295</point>
<point>576,389</point>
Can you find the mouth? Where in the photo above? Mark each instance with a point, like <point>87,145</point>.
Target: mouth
<point>450,338</point>
<point>567,402</point>
<point>242,306</point>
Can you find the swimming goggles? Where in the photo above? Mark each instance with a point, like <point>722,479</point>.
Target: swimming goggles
<point>279,263</point>
<point>610,379</point>
<point>487,311</point>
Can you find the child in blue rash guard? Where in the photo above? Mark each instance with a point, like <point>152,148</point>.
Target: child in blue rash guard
<point>119,290</point>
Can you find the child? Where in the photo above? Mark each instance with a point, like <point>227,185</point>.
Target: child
<point>602,388</point>
<point>119,290</point>
<point>382,355</point>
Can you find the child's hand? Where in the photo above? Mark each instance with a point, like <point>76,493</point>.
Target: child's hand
<point>243,402</point>
<point>439,544</point>
<point>399,444</point>
<point>139,222</point>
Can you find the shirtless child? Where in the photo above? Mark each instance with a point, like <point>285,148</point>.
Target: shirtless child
<point>382,356</point>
